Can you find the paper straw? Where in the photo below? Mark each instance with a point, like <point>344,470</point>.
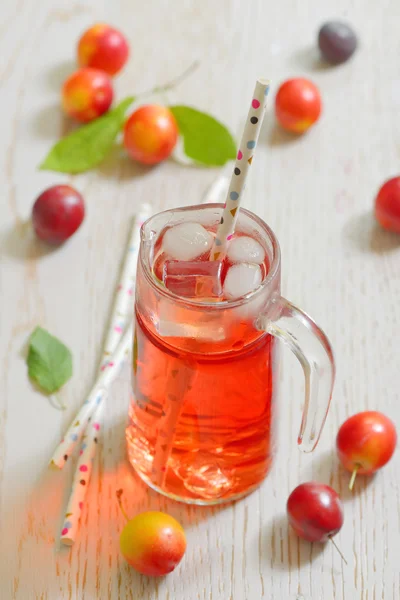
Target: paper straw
<point>114,352</point>
<point>82,477</point>
<point>123,304</point>
<point>119,317</point>
<point>242,165</point>
<point>179,378</point>
<point>108,374</point>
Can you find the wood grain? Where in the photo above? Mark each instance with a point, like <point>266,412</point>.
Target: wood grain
<point>315,191</point>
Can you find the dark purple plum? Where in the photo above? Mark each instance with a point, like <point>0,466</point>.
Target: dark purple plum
<point>337,41</point>
<point>57,213</point>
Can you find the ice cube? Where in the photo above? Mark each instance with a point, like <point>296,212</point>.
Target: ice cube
<point>193,279</point>
<point>186,241</point>
<point>241,279</point>
<point>245,249</point>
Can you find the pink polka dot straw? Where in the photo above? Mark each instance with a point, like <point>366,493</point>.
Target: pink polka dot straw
<point>243,162</point>
<point>123,304</point>
<point>81,419</point>
<point>81,479</point>
<point>121,314</point>
<point>88,421</point>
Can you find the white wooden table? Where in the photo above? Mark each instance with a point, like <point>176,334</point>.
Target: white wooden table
<point>316,192</point>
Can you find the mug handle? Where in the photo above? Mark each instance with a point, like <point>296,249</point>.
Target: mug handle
<point>313,349</point>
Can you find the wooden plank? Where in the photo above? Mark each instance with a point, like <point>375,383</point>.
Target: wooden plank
<point>316,192</point>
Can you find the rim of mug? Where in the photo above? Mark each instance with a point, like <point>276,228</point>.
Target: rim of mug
<point>223,304</point>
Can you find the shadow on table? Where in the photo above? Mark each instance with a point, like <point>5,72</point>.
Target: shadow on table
<point>52,124</point>
<point>328,469</point>
<point>367,235</point>
<point>57,74</point>
<point>277,136</point>
<point>21,243</point>
<point>309,58</point>
<point>119,165</point>
<point>285,550</point>
<point>46,123</point>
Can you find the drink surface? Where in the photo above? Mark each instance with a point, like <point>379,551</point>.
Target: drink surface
<point>200,417</point>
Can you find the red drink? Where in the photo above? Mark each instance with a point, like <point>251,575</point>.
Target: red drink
<point>222,444</point>
<point>201,418</point>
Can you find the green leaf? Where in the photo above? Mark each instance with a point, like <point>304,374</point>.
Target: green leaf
<point>205,139</point>
<point>86,147</point>
<point>49,361</point>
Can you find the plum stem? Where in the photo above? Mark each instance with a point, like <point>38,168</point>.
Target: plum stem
<point>119,496</point>
<point>353,476</point>
<point>338,549</point>
<point>170,85</point>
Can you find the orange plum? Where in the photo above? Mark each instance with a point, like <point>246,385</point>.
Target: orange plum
<point>366,442</point>
<point>153,543</point>
<point>150,134</point>
<point>297,104</point>
<point>87,94</point>
<point>103,47</point>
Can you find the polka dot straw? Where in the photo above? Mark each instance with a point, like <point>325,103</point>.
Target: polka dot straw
<point>242,165</point>
<point>123,303</point>
<point>81,478</point>
<point>103,382</point>
<point>89,418</point>
<point>180,375</point>
<point>120,315</point>
<point>88,421</point>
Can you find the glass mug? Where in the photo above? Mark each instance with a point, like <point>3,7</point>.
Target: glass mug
<point>201,419</point>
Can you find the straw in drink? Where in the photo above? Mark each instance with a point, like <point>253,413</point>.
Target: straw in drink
<point>243,162</point>
<point>169,410</point>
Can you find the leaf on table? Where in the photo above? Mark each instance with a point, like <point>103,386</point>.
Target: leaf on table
<point>88,146</point>
<point>49,361</point>
<point>205,139</point>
